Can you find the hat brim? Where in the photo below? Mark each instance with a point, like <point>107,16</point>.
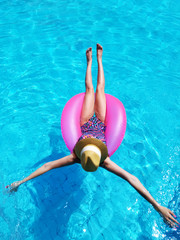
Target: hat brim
<point>82,143</point>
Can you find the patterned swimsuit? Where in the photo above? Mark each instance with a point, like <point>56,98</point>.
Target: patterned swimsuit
<point>94,128</point>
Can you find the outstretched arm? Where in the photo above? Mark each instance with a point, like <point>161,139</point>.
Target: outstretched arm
<point>65,161</point>
<point>134,181</point>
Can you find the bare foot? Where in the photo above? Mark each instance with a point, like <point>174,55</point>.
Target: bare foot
<point>89,54</point>
<point>99,51</point>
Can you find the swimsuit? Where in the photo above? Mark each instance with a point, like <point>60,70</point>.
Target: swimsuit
<point>94,128</point>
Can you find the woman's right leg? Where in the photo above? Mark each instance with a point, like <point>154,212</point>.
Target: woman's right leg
<point>88,104</point>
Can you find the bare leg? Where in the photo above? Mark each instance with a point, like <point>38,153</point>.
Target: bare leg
<point>65,161</point>
<point>100,102</point>
<point>88,104</point>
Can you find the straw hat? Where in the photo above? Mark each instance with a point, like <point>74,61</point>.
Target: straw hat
<point>91,152</point>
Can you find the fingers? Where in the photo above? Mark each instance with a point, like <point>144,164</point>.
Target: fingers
<point>13,187</point>
<point>170,223</point>
<point>9,186</point>
<point>172,213</point>
<point>167,215</point>
<point>174,219</point>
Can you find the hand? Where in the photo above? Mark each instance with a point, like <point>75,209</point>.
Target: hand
<point>14,186</point>
<point>167,215</point>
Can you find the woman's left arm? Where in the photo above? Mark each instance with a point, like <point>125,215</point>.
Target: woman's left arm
<point>134,181</point>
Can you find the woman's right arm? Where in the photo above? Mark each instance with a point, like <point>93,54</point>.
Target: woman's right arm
<point>65,161</point>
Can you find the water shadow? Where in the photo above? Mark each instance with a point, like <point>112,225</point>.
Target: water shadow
<point>56,195</point>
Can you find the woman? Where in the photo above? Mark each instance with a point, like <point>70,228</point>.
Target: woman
<point>91,150</point>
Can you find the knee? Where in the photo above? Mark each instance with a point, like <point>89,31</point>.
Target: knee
<point>89,89</point>
<point>100,88</point>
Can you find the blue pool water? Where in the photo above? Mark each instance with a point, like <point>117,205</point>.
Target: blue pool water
<point>42,65</point>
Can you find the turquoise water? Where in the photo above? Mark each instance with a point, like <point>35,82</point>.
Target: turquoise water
<point>42,65</point>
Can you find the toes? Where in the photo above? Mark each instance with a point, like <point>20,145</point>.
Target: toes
<point>89,49</point>
<point>99,46</point>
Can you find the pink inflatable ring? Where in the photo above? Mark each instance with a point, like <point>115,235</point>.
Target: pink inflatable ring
<point>115,122</point>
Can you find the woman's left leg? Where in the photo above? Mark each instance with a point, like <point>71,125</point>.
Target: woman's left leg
<point>100,101</point>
